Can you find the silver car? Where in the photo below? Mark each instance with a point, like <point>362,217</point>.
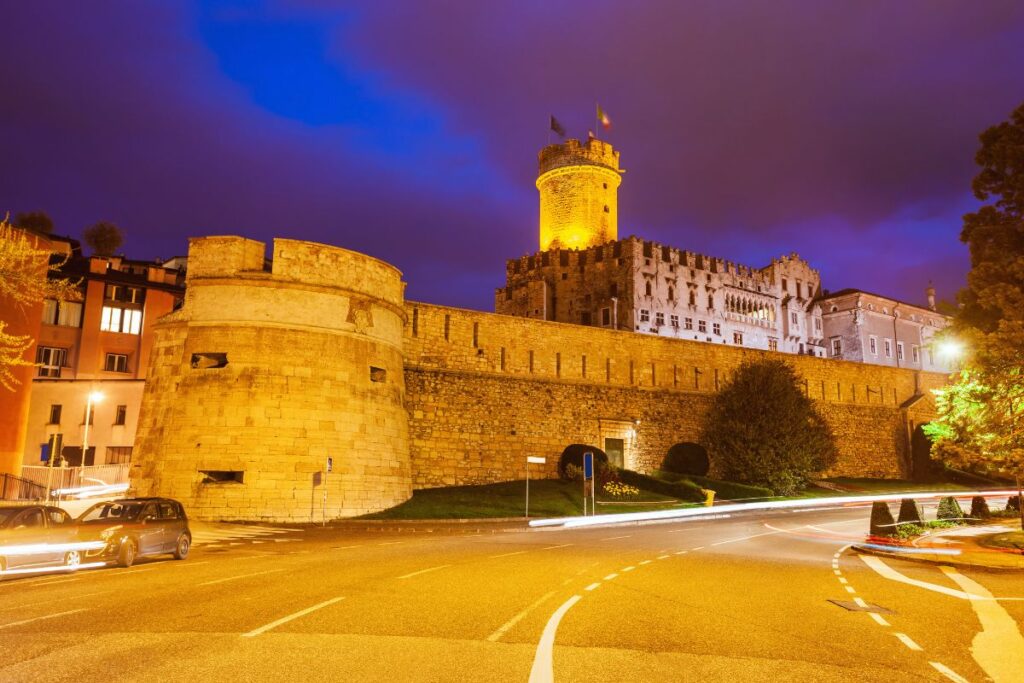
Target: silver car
<point>36,537</point>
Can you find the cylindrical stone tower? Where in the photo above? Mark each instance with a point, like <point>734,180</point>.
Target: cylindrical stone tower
<point>578,186</point>
<point>268,372</point>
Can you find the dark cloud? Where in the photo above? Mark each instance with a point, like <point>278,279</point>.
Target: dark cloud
<point>843,131</point>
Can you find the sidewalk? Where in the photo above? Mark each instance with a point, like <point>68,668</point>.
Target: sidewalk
<point>963,546</point>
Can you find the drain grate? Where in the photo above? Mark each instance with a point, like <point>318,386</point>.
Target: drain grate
<point>868,607</point>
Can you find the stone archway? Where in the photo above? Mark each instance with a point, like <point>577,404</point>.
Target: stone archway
<point>687,457</point>
<point>922,467</point>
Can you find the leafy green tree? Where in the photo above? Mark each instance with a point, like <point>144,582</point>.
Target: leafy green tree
<point>104,238</point>
<point>39,221</point>
<point>763,430</point>
<point>980,425</point>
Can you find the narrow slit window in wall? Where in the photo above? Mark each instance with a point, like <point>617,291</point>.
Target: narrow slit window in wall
<point>378,374</point>
<point>205,361</point>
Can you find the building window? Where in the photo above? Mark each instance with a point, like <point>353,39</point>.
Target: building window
<point>915,353</point>
<point>773,344</point>
<point>674,319</point>
<point>125,320</point>
<point>55,411</point>
<point>606,317</point>
<point>120,414</point>
<point>645,316</point>
<point>613,289</point>
<point>659,319</point>
<point>817,324</point>
<point>584,317</point>
<point>116,362</point>
<point>888,349</point>
<point>794,318</point>
<point>716,328</point>
<point>688,323</point>
<point>64,313</point>
<point>119,455</point>
<point>711,301</point>
<point>799,288</point>
<point>123,293</point>
<point>702,326</point>
<point>693,298</point>
<point>647,289</point>
<point>378,374</point>
<point>785,285</point>
<point>837,347</point>
<point>51,360</point>
<point>737,338</point>
<point>873,345</point>
<point>899,350</point>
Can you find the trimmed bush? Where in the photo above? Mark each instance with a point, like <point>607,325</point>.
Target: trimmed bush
<point>910,512</point>
<point>979,508</point>
<point>573,455</point>
<point>687,458</point>
<point>682,490</point>
<point>1013,504</point>
<point>950,509</point>
<point>882,523</point>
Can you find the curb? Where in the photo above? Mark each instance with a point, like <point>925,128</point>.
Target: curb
<point>953,560</point>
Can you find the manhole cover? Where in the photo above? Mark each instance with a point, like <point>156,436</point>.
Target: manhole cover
<point>868,607</point>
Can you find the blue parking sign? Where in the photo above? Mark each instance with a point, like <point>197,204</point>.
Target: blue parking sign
<point>588,465</point>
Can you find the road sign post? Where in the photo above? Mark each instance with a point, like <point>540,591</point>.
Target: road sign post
<point>327,470</point>
<point>588,475</point>
<point>537,460</point>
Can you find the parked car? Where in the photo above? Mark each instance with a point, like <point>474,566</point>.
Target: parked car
<point>135,527</point>
<point>36,536</point>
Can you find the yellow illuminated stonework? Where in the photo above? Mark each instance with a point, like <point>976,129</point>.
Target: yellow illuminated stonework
<point>578,187</point>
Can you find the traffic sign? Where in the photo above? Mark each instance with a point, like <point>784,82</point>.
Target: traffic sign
<point>330,464</point>
<point>588,465</point>
<point>536,460</point>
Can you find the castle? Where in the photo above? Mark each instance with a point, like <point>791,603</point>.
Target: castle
<point>305,387</point>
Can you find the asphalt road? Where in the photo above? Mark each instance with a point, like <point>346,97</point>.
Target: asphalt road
<point>742,598</point>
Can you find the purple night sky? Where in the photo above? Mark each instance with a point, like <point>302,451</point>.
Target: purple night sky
<point>844,131</point>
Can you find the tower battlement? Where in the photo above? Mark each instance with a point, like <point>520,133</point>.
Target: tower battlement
<point>572,152</point>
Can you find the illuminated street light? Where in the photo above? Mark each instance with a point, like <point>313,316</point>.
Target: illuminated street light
<point>951,348</point>
<point>93,397</point>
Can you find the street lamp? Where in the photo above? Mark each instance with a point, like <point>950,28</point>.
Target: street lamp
<point>93,397</point>
<point>951,348</point>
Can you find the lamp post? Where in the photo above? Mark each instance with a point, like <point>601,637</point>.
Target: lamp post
<point>93,397</point>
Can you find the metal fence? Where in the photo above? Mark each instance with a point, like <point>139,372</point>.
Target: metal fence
<point>73,477</point>
<point>19,488</point>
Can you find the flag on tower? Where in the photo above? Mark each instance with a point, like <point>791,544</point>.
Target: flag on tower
<point>556,126</point>
<point>602,116</point>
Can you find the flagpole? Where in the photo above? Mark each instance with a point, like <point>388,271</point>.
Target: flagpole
<point>597,122</point>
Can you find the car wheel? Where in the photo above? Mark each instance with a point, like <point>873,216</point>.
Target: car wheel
<point>126,555</point>
<point>182,547</point>
<point>72,559</point>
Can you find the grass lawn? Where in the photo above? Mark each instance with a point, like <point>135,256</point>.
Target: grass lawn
<point>855,485</point>
<point>548,498</point>
<point>1011,540</point>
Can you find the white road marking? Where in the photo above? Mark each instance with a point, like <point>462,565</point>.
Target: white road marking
<point>592,586</point>
<point>610,577</point>
<point>743,538</point>
<point>662,557</point>
<point>615,538</point>
<point>843,581</point>
<point>48,616</point>
<point>837,572</point>
<point>860,602</point>
<point>643,562</point>
<point>878,619</point>
<point>628,569</point>
<point>700,547</point>
<point>681,552</point>
<point>390,542</point>
<point>290,617</point>
<point>423,571</point>
<point>948,673</point>
<point>518,552</point>
<point>542,670</point>
<point>888,572</point>
<point>849,589</point>
<point>240,576</point>
<point>552,547</point>
<point>504,628</point>
<point>999,647</point>
<point>906,640</point>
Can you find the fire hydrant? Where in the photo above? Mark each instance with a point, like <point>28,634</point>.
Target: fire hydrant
<point>709,497</point>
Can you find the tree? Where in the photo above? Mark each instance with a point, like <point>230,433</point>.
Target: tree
<point>104,238</point>
<point>763,430</point>
<point>25,281</point>
<point>39,221</point>
<point>980,424</point>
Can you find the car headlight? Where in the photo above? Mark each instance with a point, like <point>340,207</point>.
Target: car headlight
<point>107,533</point>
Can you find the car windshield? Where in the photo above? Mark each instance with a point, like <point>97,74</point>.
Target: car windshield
<point>112,512</point>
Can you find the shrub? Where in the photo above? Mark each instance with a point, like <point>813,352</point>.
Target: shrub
<point>950,509</point>
<point>882,523</point>
<point>687,458</point>
<point>763,430</point>
<point>1013,504</point>
<point>573,455</point>
<point>617,489</point>
<point>979,508</point>
<point>910,512</point>
<point>908,531</point>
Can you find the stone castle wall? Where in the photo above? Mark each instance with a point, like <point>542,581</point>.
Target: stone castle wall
<point>486,390</point>
<point>264,374</point>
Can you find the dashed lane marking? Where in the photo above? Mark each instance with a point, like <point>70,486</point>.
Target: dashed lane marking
<point>504,628</point>
<point>849,589</point>
<point>46,616</point>
<point>518,552</point>
<point>643,562</point>
<point>239,577</point>
<point>610,577</point>
<point>663,557</point>
<point>553,547</point>
<point>906,640</point>
<point>290,617</point>
<point>592,586</point>
<point>629,568</point>
<point>948,673</point>
<point>743,538</point>
<point>879,619</point>
<point>615,538</point>
<point>423,571</point>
